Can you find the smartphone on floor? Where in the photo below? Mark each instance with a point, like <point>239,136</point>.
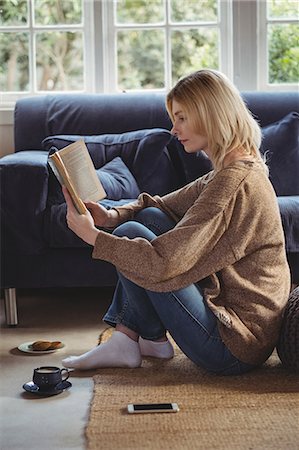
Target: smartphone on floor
<point>152,408</point>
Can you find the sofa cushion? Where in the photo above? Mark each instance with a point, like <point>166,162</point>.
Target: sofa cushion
<point>118,183</point>
<point>281,145</point>
<point>56,232</point>
<point>143,151</point>
<point>280,141</point>
<point>117,180</point>
<point>189,165</point>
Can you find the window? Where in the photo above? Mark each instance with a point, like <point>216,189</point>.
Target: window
<point>279,44</point>
<point>109,45</point>
<point>157,42</point>
<point>121,45</point>
<point>41,46</point>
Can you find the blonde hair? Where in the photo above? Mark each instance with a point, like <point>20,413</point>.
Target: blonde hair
<point>215,109</point>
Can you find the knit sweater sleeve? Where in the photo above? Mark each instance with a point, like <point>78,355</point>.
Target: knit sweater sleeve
<point>175,203</point>
<point>195,248</point>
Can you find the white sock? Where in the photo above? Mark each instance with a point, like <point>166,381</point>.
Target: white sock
<point>119,351</point>
<point>158,349</point>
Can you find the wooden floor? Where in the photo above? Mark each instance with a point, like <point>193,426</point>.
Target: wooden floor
<point>73,316</point>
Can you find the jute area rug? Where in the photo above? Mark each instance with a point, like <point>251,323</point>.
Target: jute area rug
<point>259,410</point>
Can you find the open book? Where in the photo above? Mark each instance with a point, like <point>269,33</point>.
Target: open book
<point>74,168</point>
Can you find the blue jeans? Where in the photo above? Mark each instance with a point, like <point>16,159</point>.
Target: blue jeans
<point>183,313</point>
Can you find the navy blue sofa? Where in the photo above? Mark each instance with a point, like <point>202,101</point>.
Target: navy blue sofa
<point>132,149</point>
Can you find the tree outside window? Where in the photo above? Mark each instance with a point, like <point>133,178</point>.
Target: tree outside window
<point>283,41</point>
<point>43,43</point>
<point>51,56</point>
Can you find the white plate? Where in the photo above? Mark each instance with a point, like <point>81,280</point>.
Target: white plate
<point>27,348</point>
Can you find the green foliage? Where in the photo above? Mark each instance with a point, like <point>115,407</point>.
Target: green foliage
<point>284,53</point>
<point>13,12</point>
<point>194,49</point>
<point>140,59</point>
<point>59,55</point>
<point>193,10</point>
<point>14,62</point>
<point>283,8</point>
<point>141,53</point>
<point>59,58</point>
<point>55,12</point>
<point>139,11</point>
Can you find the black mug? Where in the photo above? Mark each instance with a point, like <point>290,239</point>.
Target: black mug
<point>47,377</point>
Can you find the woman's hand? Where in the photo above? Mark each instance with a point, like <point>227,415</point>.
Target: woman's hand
<point>101,216</point>
<point>81,224</point>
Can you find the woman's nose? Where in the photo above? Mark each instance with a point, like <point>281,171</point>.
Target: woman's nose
<point>173,131</point>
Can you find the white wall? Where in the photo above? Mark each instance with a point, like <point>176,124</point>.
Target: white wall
<point>6,132</point>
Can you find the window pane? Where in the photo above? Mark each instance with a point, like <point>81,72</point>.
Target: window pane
<point>59,58</point>
<point>57,12</point>
<point>139,11</point>
<point>13,13</point>
<point>14,63</point>
<point>140,59</point>
<point>283,53</point>
<point>283,9</point>
<point>193,10</point>
<point>193,50</point>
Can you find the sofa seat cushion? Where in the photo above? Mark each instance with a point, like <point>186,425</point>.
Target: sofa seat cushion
<point>144,152</point>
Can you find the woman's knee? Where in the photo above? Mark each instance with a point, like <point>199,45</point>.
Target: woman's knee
<point>155,219</point>
<point>132,230</point>
<point>148,214</point>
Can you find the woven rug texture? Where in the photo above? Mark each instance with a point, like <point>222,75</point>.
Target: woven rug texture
<point>255,411</point>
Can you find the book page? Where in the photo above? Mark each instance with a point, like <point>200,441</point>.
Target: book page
<point>61,173</point>
<point>81,171</point>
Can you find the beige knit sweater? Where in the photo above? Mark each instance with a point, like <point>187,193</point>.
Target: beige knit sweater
<point>228,229</point>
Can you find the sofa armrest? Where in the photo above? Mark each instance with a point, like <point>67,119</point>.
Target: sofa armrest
<point>24,189</point>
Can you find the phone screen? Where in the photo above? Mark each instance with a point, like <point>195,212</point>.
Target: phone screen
<point>151,406</point>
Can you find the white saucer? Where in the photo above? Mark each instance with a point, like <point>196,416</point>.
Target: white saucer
<point>27,348</point>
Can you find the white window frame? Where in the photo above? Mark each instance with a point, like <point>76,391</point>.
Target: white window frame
<point>262,56</point>
<point>242,51</point>
<point>86,27</point>
<point>111,28</point>
<point>244,44</point>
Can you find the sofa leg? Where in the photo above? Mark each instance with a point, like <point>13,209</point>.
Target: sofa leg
<point>11,306</point>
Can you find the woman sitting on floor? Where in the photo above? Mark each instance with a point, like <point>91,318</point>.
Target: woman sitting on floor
<point>205,263</point>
